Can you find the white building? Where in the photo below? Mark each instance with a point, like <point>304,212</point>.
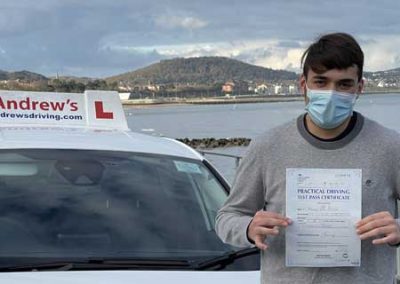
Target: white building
<point>293,90</point>
<point>124,96</point>
<point>277,89</point>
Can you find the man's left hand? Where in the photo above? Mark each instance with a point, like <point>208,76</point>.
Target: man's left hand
<point>381,226</point>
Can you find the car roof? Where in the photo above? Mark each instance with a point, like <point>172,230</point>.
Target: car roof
<point>92,139</point>
<point>93,120</point>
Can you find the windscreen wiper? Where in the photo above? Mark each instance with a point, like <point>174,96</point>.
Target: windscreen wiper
<point>215,263</point>
<point>219,262</point>
<point>102,264</point>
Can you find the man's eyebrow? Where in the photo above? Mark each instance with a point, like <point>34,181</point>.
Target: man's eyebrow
<point>347,80</point>
<point>320,77</point>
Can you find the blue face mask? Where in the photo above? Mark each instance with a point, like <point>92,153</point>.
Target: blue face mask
<point>329,108</point>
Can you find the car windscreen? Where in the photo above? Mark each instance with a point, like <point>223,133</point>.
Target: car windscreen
<point>81,203</point>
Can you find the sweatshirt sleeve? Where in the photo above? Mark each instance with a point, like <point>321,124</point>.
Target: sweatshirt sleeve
<point>395,153</point>
<point>245,199</point>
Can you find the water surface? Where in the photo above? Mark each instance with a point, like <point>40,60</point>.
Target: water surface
<point>242,120</point>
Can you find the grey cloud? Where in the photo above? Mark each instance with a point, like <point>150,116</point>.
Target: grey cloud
<point>47,35</point>
<point>252,55</point>
<point>291,67</point>
<point>363,41</point>
<point>15,22</point>
<point>287,43</point>
<point>187,22</point>
<point>397,60</point>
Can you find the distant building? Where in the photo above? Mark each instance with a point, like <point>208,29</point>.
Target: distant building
<point>277,89</point>
<point>293,90</point>
<point>261,89</point>
<point>381,84</point>
<point>228,87</point>
<point>124,96</point>
<point>153,88</point>
<point>124,87</point>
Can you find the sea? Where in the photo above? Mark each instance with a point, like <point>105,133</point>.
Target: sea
<point>242,120</point>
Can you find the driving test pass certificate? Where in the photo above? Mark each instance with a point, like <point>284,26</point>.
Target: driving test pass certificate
<point>324,205</point>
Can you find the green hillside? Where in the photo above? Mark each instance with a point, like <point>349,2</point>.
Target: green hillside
<point>201,70</point>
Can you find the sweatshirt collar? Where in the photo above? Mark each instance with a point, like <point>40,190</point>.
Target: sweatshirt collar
<point>329,145</point>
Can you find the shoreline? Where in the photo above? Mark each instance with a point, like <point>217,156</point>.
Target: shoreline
<point>213,100</point>
<point>226,100</point>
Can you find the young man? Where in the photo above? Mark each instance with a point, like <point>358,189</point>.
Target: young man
<point>330,135</point>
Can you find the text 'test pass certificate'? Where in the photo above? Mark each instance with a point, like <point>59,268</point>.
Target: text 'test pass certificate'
<point>324,205</point>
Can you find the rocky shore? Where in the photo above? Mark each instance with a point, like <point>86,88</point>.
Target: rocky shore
<point>210,143</point>
<point>212,101</point>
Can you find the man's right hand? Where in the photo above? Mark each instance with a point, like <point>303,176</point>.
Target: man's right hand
<point>265,223</point>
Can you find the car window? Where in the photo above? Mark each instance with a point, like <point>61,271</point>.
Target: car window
<point>57,203</point>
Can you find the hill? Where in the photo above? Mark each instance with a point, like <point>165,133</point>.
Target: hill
<point>83,80</point>
<point>22,75</point>
<point>385,75</point>
<point>201,70</point>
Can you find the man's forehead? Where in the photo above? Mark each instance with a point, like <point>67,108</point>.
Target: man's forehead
<point>338,74</point>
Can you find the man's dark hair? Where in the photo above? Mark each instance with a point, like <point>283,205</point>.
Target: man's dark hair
<point>333,51</point>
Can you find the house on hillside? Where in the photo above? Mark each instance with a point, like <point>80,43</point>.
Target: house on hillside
<point>124,96</point>
<point>278,89</point>
<point>228,87</point>
<point>122,86</point>
<point>153,88</point>
<point>263,89</point>
<point>293,90</point>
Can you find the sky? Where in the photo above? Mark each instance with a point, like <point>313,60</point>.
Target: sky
<point>101,38</point>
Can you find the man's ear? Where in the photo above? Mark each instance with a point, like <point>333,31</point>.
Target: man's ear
<point>360,88</point>
<point>302,84</point>
<point>303,87</point>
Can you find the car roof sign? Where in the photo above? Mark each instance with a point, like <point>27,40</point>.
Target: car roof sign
<point>91,109</point>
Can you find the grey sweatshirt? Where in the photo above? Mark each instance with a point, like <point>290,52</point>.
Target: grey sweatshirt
<point>260,183</point>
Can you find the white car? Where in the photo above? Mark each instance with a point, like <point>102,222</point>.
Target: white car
<point>85,200</point>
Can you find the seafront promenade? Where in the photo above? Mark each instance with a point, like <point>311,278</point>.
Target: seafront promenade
<point>213,100</point>
<point>227,99</point>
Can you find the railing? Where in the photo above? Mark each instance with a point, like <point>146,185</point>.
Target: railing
<point>236,157</point>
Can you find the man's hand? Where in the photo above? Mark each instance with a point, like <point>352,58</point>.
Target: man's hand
<point>263,224</point>
<point>380,226</point>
